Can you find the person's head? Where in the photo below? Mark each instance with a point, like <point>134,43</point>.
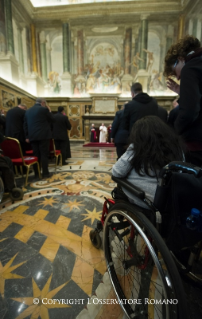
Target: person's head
<point>22,106</point>
<point>176,55</point>
<point>136,88</point>
<point>155,145</point>
<point>103,124</point>
<point>110,125</point>
<point>60,109</point>
<point>41,101</point>
<point>93,125</point>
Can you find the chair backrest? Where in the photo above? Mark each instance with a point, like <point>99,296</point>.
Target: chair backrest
<point>52,147</point>
<point>11,148</point>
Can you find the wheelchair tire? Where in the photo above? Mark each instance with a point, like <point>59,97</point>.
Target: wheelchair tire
<point>16,194</point>
<point>95,239</point>
<point>142,271</point>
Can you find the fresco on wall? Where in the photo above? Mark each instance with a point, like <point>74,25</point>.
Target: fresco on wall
<point>8,99</point>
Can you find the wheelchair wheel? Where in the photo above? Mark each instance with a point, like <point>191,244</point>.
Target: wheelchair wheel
<point>95,239</point>
<point>16,194</point>
<point>141,269</point>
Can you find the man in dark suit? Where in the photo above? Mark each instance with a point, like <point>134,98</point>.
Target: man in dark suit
<point>14,124</point>
<point>37,127</point>
<point>119,135</point>
<point>60,127</point>
<point>141,105</point>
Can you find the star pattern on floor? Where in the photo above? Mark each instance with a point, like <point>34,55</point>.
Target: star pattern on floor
<point>6,273</point>
<point>38,304</point>
<point>92,215</point>
<point>48,201</point>
<point>73,204</point>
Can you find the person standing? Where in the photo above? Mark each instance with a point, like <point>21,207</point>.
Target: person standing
<point>184,62</point>
<point>60,126</point>
<point>14,124</point>
<point>93,134</point>
<point>119,135</point>
<point>103,133</point>
<point>37,127</point>
<point>109,129</point>
<point>141,105</point>
<point>2,122</point>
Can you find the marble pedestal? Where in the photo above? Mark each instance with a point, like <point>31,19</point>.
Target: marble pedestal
<point>9,68</point>
<point>143,78</point>
<point>66,84</point>
<point>35,85</point>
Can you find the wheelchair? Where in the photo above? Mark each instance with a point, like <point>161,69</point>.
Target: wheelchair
<point>142,247</point>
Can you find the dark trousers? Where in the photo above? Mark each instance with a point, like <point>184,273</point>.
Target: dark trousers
<point>194,158</point>
<point>61,145</point>
<point>120,149</point>
<point>41,150</point>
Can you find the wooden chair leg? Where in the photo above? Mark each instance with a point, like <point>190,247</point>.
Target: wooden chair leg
<point>39,171</point>
<point>61,159</point>
<point>27,174</point>
<point>16,170</point>
<point>21,170</point>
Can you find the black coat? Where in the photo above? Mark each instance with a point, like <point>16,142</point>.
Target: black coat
<point>2,124</point>
<point>172,116</point>
<point>162,114</point>
<point>14,123</point>
<point>119,134</point>
<point>37,124</point>
<point>141,105</point>
<point>189,120</point>
<point>60,126</point>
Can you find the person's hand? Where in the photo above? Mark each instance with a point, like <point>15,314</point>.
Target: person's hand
<point>173,86</point>
<point>27,140</point>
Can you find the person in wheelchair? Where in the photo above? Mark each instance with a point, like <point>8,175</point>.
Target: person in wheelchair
<point>153,144</point>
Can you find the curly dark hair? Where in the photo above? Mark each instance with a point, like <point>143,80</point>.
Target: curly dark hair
<point>180,49</point>
<point>155,144</point>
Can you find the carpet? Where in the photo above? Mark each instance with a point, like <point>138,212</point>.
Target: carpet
<point>96,144</point>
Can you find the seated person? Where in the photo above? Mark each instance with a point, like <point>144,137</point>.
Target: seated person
<point>153,144</point>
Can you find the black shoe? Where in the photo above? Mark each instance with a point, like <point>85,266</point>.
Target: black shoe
<point>47,175</point>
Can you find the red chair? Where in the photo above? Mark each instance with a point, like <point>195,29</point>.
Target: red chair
<point>55,153</point>
<point>11,148</point>
<point>28,149</point>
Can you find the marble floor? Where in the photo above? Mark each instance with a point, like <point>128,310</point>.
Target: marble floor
<point>45,252</point>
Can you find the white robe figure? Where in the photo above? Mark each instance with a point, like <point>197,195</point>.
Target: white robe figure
<point>103,134</point>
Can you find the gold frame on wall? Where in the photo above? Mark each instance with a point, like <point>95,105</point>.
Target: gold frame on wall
<point>107,97</point>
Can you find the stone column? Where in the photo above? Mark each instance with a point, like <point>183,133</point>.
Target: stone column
<point>144,40</point>
<point>195,24</point>
<point>28,46</point>
<point>20,48</point>
<point>49,60</point>
<point>34,49</point>
<point>9,26</point>
<point>43,56</point>
<point>66,47</point>
<point>80,52</point>
<point>181,24</point>
<point>2,29</point>
<point>127,51</point>
<point>66,77</point>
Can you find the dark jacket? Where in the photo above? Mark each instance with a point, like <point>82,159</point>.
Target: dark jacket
<point>14,123</point>
<point>173,116</point>
<point>60,126</point>
<point>162,114</point>
<point>140,106</point>
<point>37,124</point>
<point>2,124</point>
<point>189,120</point>
<point>119,134</point>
